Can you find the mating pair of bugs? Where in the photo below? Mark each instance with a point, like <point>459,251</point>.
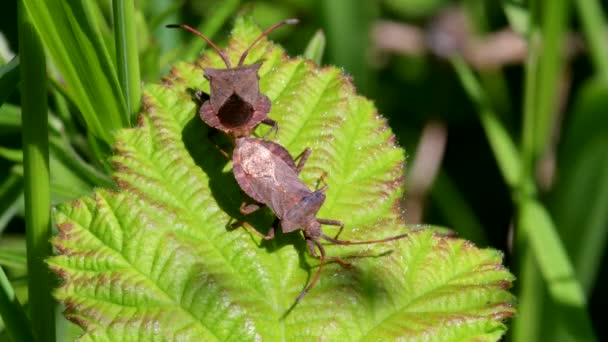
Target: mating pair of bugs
<point>265,170</point>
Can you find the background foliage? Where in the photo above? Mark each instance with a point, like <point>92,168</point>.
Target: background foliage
<point>523,169</point>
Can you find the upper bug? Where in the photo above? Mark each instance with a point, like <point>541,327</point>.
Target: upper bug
<point>236,106</point>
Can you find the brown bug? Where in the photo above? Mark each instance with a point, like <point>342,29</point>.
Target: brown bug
<point>269,175</point>
<point>236,106</point>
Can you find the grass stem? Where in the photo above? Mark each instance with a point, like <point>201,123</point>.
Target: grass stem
<point>36,176</point>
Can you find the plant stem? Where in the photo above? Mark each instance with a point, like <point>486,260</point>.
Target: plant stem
<point>566,291</point>
<point>127,58</point>
<point>505,152</point>
<point>537,234</point>
<point>536,230</point>
<point>36,176</point>
<point>550,73</point>
<point>594,28</point>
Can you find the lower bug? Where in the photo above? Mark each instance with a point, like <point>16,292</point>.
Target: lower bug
<point>270,176</point>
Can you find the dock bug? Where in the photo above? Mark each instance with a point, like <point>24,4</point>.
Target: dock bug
<point>236,106</point>
<point>269,175</point>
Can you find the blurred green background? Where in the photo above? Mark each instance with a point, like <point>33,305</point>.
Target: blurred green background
<point>445,74</point>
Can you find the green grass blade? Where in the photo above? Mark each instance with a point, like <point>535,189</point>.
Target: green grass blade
<point>550,75</point>
<point>316,47</point>
<point>556,269</point>
<point>580,196</point>
<point>62,109</point>
<point>15,320</point>
<point>529,105</point>
<point>347,25</point>
<point>13,259</point>
<point>518,16</point>
<point>10,118</point>
<point>530,296</point>
<point>510,165</point>
<point>72,161</point>
<point>76,46</point>
<point>591,17</point>
<point>127,58</point>
<point>12,154</point>
<point>9,78</point>
<point>36,176</point>
<point>66,182</point>
<point>544,70</point>
<point>11,191</point>
<point>502,145</point>
<point>455,208</point>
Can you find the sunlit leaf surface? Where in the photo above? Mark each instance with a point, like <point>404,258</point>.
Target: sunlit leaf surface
<point>156,261</point>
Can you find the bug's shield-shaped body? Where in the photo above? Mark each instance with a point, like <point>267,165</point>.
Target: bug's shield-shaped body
<point>267,173</point>
<point>236,105</point>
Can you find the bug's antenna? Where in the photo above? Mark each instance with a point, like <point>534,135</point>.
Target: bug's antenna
<point>344,242</point>
<point>267,31</point>
<point>219,52</point>
<point>314,280</point>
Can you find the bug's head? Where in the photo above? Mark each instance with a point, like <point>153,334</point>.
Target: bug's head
<point>313,229</point>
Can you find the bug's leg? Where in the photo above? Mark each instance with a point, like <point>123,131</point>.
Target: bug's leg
<point>332,223</point>
<point>311,246</point>
<point>252,229</point>
<point>274,127</point>
<point>310,243</point>
<point>341,225</point>
<point>321,180</point>
<point>302,158</point>
<point>341,262</point>
<point>210,135</point>
<point>224,153</point>
<point>200,96</point>
<point>247,209</point>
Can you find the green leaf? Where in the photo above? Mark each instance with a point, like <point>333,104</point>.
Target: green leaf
<point>316,47</point>
<point>71,37</point>
<point>156,260</point>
